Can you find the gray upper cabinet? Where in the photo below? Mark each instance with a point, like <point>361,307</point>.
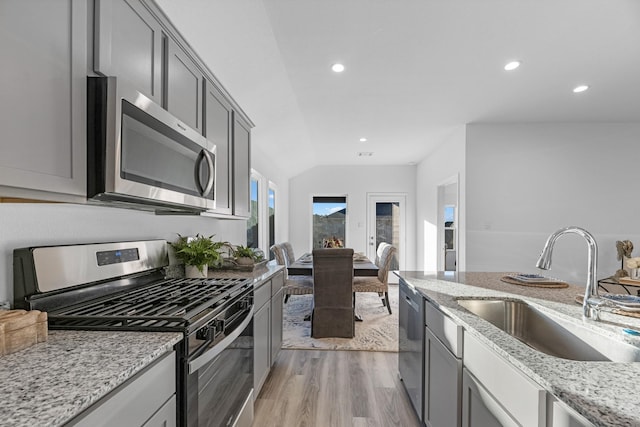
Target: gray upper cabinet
<point>184,81</point>
<point>241,167</point>
<point>217,129</point>
<point>43,107</point>
<point>128,45</point>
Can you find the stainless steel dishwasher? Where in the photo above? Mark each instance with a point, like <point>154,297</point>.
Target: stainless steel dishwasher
<point>411,344</point>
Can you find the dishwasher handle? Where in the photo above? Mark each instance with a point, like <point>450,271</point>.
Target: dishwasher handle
<point>414,305</point>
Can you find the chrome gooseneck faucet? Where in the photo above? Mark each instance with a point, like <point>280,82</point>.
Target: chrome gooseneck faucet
<point>592,300</point>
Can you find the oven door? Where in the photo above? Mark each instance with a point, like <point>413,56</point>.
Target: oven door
<point>219,383</point>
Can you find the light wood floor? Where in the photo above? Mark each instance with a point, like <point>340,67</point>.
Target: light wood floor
<point>318,388</point>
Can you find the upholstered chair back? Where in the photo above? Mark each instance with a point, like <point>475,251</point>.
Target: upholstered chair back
<point>288,252</point>
<point>385,262</point>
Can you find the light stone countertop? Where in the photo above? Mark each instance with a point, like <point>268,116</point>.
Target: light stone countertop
<point>259,275</point>
<point>606,393</point>
<point>51,382</point>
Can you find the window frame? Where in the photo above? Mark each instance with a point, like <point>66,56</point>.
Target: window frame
<point>347,237</point>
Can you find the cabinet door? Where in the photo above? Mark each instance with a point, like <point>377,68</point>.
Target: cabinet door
<point>528,405</point>
<point>241,167</point>
<point>443,381</point>
<point>479,408</point>
<point>262,347</point>
<point>217,129</point>
<point>137,401</point>
<point>128,45</point>
<point>184,86</point>
<point>276,324</point>
<point>165,417</point>
<point>43,108</point>
<point>560,415</point>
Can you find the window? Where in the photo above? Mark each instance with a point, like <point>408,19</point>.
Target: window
<point>449,227</point>
<point>253,221</point>
<point>272,218</point>
<point>329,221</point>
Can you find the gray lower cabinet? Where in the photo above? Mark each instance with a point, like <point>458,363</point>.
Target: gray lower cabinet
<point>267,327</point>
<point>184,82</point>
<point>560,415</point>
<point>277,299</point>
<point>443,378</point>
<point>44,45</point>
<point>165,416</point>
<point>241,167</point>
<point>128,45</point>
<point>218,116</point>
<point>262,343</point>
<point>442,369</point>
<point>479,408</point>
<point>522,399</point>
<point>148,399</point>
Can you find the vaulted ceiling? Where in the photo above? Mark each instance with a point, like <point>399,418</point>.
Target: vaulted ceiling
<point>414,69</point>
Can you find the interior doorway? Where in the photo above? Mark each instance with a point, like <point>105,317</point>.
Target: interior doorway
<point>386,222</point>
<point>448,252</point>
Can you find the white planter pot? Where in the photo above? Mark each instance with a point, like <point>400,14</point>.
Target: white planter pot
<point>192,272</point>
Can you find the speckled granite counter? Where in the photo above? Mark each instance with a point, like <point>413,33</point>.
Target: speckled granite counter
<point>606,393</point>
<point>258,276</point>
<point>51,382</point>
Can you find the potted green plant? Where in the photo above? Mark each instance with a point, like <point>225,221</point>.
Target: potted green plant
<point>245,255</point>
<point>198,254</point>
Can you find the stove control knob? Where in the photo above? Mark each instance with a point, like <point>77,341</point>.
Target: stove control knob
<point>204,333</point>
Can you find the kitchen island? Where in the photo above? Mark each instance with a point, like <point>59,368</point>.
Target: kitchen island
<point>604,393</point>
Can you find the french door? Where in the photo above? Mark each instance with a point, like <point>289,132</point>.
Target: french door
<point>386,222</point>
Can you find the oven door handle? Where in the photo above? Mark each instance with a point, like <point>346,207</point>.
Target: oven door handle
<point>214,351</point>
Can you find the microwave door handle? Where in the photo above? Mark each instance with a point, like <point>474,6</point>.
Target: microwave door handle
<point>204,154</point>
<point>212,172</point>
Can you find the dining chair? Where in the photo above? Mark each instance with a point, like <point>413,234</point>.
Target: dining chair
<point>379,251</point>
<point>333,313</point>
<point>378,284</point>
<point>293,285</point>
<point>288,252</point>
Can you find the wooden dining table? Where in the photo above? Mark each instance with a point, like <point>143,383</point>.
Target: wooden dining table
<point>303,266</point>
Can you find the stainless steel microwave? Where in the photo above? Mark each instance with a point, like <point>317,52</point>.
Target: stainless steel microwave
<point>140,156</point>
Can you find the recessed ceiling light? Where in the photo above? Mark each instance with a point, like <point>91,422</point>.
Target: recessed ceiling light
<point>365,154</point>
<point>580,88</point>
<point>363,139</point>
<point>512,65</point>
<point>338,68</point>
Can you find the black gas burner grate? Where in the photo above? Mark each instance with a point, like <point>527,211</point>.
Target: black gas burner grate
<point>167,305</point>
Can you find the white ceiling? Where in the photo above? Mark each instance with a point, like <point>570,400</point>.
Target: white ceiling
<point>415,69</point>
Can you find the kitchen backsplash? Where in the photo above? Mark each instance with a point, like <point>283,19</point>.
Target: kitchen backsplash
<point>36,224</point>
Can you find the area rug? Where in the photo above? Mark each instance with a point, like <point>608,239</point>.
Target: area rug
<point>378,330</point>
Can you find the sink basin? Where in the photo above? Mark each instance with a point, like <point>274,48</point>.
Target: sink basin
<point>550,334</point>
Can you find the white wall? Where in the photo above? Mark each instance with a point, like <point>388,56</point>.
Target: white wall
<point>354,182</point>
<point>262,163</point>
<point>445,163</point>
<point>525,181</point>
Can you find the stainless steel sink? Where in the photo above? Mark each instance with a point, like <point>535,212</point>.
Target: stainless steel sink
<point>550,334</point>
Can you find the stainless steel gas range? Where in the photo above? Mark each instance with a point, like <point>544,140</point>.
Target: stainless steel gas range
<point>122,286</point>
